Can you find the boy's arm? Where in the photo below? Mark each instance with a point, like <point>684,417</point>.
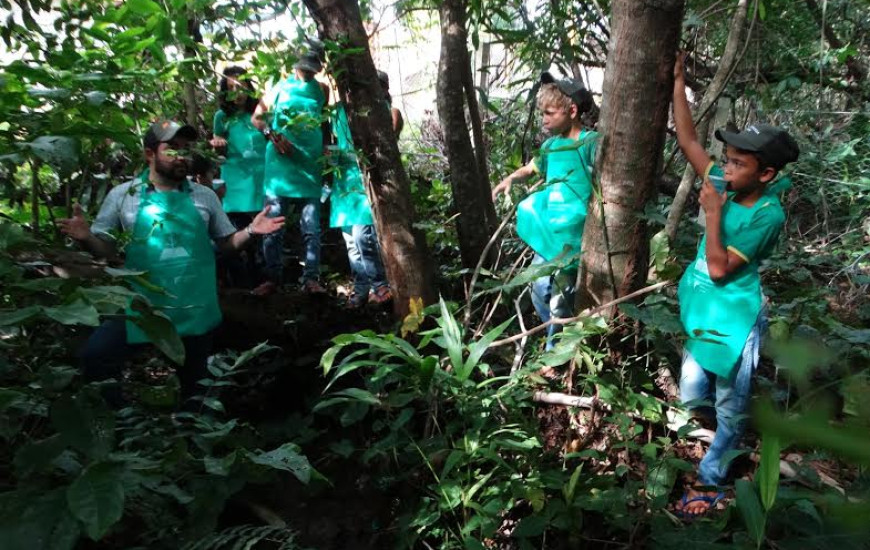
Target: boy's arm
<point>721,262</point>
<point>686,136</point>
<point>521,174</point>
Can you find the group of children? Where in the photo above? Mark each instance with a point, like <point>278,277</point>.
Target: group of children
<point>276,153</point>
<point>720,296</point>
<point>277,150</point>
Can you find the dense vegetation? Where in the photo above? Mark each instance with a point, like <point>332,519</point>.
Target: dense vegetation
<point>328,429</point>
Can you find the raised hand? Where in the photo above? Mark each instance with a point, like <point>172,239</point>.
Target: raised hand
<point>76,227</point>
<point>710,200</point>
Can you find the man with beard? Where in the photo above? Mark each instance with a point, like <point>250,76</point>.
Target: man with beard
<point>170,222</point>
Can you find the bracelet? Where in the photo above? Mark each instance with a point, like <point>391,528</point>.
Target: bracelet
<point>267,132</point>
<point>249,230</point>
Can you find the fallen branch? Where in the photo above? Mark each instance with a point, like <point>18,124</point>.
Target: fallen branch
<point>584,313</point>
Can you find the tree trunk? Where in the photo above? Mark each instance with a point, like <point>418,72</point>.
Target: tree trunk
<point>468,174</point>
<point>714,90</point>
<point>638,85</point>
<point>404,248</point>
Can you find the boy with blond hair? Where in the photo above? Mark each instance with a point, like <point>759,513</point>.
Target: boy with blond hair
<point>551,219</point>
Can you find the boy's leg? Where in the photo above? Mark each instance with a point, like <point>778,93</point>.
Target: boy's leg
<point>370,250</point>
<point>197,350</point>
<point>103,355</point>
<point>309,224</point>
<point>561,300</point>
<point>732,397</point>
<point>541,289</point>
<point>273,243</point>
<point>695,383</point>
<point>238,264</point>
<point>361,282</point>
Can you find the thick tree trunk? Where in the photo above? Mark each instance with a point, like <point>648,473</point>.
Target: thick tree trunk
<point>638,85</point>
<point>714,90</point>
<point>388,188</point>
<point>468,174</point>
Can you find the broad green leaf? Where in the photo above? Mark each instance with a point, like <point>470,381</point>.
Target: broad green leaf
<point>10,397</point>
<point>287,458</point>
<point>96,498</point>
<point>143,7</point>
<point>17,316</point>
<point>660,480</point>
<point>532,526</point>
<point>76,313</point>
<point>160,330</point>
<point>477,349</point>
<point>452,337</point>
<point>750,508</point>
<point>61,152</point>
<point>220,466</point>
<point>85,423</point>
<point>768,470</point>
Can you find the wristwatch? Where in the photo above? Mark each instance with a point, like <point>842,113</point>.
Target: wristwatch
<point>250,230</point>
<point>267,132</point>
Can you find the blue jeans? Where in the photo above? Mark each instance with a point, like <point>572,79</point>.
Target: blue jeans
<point>553,296</point>
<point>364,255</point>
<point>273,243</point>
<point>104,354</point>
<point>731,399</point>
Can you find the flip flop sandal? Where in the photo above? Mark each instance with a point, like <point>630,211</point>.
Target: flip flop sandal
<point>685,501</point>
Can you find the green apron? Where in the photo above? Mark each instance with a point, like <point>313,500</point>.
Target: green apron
<point>729,309</point>
<point>551,219</point>
<point>170,241</point>
<point>297,115</point>
<point>243,170</point>
<point>349,204</point>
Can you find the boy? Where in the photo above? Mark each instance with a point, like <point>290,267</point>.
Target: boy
<point>720,292</point>
<point>551,220</point>
<point>293,174</point>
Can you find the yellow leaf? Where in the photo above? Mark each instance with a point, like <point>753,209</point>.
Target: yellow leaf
<point>414,319</point>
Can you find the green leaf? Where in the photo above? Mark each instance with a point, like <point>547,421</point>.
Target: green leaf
<point>35,456</point>
<point>143,7</point>
<point>17,316</point>
<point>452,336</point>
<point>76,313</point>
<point>96,498</point>
<point>768,470</point>
<point>750,509</point>
<point>220,466</point>
<point>532,526</point>
<point>660,480</point>
<point>160,331</point>
<point>61,152</point>
<point>287,458</point>
<point>85,423</point>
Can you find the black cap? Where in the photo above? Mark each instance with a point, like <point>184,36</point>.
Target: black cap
<point>572,88</point>
<point>774,145</point>
<point>164,130</point>
<point>311,56</point>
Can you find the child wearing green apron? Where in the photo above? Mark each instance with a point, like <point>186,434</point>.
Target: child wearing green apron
<point>551,219</point>
<point>293,177</point>
<point>720,292</point>
<point>172,223</point>
<point>242,171</point>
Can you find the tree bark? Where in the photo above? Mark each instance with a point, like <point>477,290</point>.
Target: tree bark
<point>468,172</point>
<point>638,85</point>
<point>403,247</point>
<point>714,90</point>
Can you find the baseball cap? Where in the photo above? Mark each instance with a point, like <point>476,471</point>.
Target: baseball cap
<point>163,130</point>
<point>774,145</point>
<point>311,56</point>
<point>572,88</point>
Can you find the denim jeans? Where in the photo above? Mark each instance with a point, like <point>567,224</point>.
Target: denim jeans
<point>731,399</point>
<point>103,356</point>
<point>553,296</point>
<point>364,255</point>
<point>273,243</point>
